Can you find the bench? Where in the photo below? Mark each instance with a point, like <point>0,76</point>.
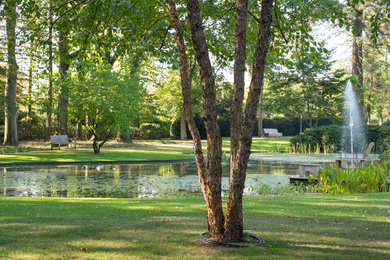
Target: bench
<point>306,169</point>
<point>271,132</point>
<point>61,140</point>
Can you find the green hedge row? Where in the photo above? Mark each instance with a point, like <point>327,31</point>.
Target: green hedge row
<point>330,139</point>
<point>289,126</point>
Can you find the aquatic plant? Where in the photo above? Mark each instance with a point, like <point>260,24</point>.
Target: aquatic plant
<point>373,178</point>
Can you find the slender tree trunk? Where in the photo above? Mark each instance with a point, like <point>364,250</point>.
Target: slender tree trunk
<point>234,214</point>
<point>63,92</point>
<point>260,122</point>
<point>183,126</point>
<point>239,79</point>
<point>50,82</point>
<point>210,175</point>
<point>234,218</point>
<point>357,59</point>
<point>11,108</point>
<point>80,130</point>
<point>30,82</point>
<point>212,195</point>
<point>210,178</point>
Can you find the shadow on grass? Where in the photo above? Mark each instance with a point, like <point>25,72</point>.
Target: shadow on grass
<point>323,227</point>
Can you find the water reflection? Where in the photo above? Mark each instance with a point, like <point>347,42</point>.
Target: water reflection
<point>137,180</point>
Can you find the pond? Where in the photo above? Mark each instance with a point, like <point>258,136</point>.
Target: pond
<point>134,180</point>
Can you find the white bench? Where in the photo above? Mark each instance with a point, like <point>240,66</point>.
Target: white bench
<point>271,132</point>
<point>61,140</point>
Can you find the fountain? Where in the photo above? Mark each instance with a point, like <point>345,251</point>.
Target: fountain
<point>353,134</point>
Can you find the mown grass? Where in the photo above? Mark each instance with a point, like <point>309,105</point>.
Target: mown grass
<point>140,150</point>
<point>294,227</point>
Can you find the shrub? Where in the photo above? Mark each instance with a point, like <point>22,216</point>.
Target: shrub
<point>175,128</point>
<point>374,178</point>
<point>153,131</point>
<point>289,126</point>
<point>30,128</point>
<point>321,139</point>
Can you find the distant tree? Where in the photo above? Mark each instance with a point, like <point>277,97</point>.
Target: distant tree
<point>11,108</point>
<point>109,100</point>
<point>305,88</point>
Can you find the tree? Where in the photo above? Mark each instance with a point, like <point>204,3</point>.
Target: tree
<point>306,88</point>
<point>109,100</point>
<point>11,108</point>
<point>229,227</point>
<point>224,227</point>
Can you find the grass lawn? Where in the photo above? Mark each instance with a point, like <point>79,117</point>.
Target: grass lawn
<point>294,227</point>
<point>139,151</point>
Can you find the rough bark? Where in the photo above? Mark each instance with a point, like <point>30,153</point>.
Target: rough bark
<point>357,59</point>
<point>50,81</point>
<point>210,175</point>
<point>235,120</point>
<point>229,227</point>
<point>11,108</point>
<point>214,140</point>
<point>234,213</point>
<point>239,78</point>
<point>30,82</point>
<point>62,116</point>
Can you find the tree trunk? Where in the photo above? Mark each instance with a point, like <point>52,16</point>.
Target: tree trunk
<point>357,60</point>
<point>80,130</point>
<point>63,91</point>
<point>210,178</point>
<point>183,126</point>
<point>234,211</point>
<point>30,82</point>
<point>260,122</point>
<point>213,187</point>
<point>234,214</point>
<point>96,146</point>
<point>210,175</point>
<point>50,82</point>
<point>11,108</point>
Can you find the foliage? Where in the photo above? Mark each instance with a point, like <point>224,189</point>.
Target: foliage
<point>320,139</point>
<point>377,134</point>
<point>290,126</point>
<point>105,100</point>
<point>329,138</point>
<point>175,128</point>
<point>153,131</point>
<point>15,149</point>
<point>30,128</point>
<point>373,178</point>
<point>305,88</point>
<point>385,148</point>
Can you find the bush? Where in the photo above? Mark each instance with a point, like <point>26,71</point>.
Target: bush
<point>153,131</point>
<point>321,139</point>
<point>289,126</point>
<point>374,178</point>
<point>175,128</point>
<point>30,128</point>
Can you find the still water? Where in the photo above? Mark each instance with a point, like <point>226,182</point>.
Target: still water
<point>127,181</point>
